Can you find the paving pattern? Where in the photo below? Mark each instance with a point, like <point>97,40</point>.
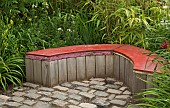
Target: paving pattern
<point>94,93</point>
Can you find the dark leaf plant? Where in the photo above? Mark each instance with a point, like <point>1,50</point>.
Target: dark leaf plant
<point>11,72</point>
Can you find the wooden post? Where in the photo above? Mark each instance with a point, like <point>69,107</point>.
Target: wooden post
<point>109,66</point>
<point>72,69</point>
<point>81,71</point>
<point>90,66</point>
<point>62,71</point>
<point>37,71</point>
<point>45,73</point>
<point>122,68</point>
<point>29,70</point>
<point>116,66</point>
<point>100,66</point>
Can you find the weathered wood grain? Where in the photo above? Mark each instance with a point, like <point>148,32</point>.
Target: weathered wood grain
<point>45,73</point>
<point>131,78</point>
<point>109,66</point>
<point>62,71</point>
<point>29,70</point>
<point>37,71</point>
<point>122,68</point>
<point>116,66</point>
<point>141,85</point>
<point>90,66</point>
<point>53,73</point>
<point>127,71</point>
<point>100,66</point>
<point>81,71</point>
<point>72,69</point>
<point>150,80</point>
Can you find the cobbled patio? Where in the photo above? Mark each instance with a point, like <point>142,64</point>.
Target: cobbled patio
<point>94,93</point>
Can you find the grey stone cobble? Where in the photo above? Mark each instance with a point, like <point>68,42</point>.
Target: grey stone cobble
<point>59,92</point>
<point>46,99</point>
<point>42,105</point>
<point>101,93</point>
<point>96,83</point>
<point>27,84</point>
<point>46,89</point>
<point>98,87</point>
<point>80,83</point>
<point>87,95</point>
<point>12,104</point>
<point>114,91</point>
<point>122,96</point>
<point>32,95</point>
<point>44,93</point>
<point>84,89</point>
<point>85,81</point>
<point>93,93</point>
<point>112,96</point>
<point>88,105</point>
<point>18,94</point>
<point>16,99</point>
<point>118,102</point>
<point>59,96</point>
<point>60,88</point>
<point>32,91</point>
<point>127,92</point>
<point>110,80</point>
<point>68,85</point>
<point>113,86</point>
<point>25,106</point>
<point>4,97</point>
<point>98,79</point>
<point>59,103</point>
<point>73,106</point>
<point>73,91</point>
<point>73,102</point>
<point>75,96</point>
<point>29,102</point>
<point>101,102</point>
<point>21,89</point>
<point>119,83</point>
<point>123,88</point>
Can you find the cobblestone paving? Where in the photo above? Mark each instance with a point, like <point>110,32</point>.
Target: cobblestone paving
<point>95,93</point>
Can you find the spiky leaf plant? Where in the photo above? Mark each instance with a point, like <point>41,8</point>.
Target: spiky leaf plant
<point>11,72</point>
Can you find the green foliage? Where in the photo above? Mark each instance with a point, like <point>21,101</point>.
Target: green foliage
<point>126,21</point>
<point>159,96</point>
<point>11,71</point>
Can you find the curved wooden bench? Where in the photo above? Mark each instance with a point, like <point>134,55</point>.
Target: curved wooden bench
<point>123,62</point>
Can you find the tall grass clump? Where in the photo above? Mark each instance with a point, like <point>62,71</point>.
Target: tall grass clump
<point>11,62</point>
<point>126,21</point>
<point>159,95</point>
